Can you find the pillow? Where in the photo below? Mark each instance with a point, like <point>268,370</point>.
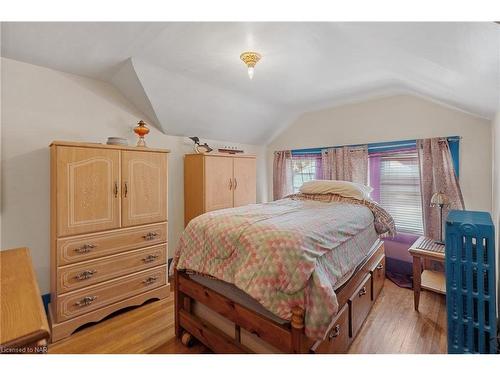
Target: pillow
<point>343,188</point>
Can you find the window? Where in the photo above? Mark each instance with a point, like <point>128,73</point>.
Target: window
<point>305,168</point>
<point>400,191</point>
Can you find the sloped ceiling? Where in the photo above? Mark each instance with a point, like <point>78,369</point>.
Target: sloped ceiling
<point>188,79</point>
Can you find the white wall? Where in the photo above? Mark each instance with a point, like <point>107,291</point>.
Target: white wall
<point>399,118</point>
<point>40,105</point>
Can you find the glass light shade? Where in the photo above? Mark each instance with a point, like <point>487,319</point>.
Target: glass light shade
<point>250,72</point>
<point>439,199</point>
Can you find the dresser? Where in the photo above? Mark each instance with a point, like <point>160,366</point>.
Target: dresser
<point>216,181</point>
<point>108,231</point>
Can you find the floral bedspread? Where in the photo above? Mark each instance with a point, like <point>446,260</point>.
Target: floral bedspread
<point>283,253</point>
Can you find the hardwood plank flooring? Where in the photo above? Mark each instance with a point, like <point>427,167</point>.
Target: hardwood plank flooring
<point>136,331</point>
<point>393,326</point>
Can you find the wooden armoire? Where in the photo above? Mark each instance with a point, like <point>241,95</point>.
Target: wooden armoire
<point>108,231</point>
<point>215,181</point>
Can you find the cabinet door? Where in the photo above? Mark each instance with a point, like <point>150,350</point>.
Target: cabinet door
<point>144,187</point>
<point>218,182</point>
<point>244,182</point>
<point>88,183</point>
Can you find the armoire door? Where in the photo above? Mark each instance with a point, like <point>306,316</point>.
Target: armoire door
<point>144,187</point>
<point>88,198</point>
<point>244,181</point>
<point>218,183</point>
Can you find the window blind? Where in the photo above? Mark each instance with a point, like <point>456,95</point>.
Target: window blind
<point>400,191</point>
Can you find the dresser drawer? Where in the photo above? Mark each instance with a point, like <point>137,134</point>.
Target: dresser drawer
<point>360,304</point>
<point>91,272</point>
<point>83,301</point>
<point>85,247</point>
<point>337,339</point>
<point>378,277</point>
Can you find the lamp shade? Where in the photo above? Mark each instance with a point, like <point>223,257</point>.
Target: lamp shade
<point>439,199</point>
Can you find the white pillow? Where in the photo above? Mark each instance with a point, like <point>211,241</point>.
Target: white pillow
<point>344,188</point>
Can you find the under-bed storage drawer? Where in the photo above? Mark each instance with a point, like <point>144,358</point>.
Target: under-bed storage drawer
<point>378,277</point>
<point>88,299</point>
<point>91,246</point>
<point>360,304</point>
<point>337,340</point>
<point>91,272</point>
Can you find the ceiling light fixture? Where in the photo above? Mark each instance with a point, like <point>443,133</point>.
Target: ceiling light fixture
<point>250,59</point>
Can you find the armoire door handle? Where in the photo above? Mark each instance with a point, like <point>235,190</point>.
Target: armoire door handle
<point>230,184</point>
<point>125,190</point>
<point>235,183</point>
<point>115,189</point>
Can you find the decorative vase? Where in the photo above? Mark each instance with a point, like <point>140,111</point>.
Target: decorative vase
<point>141,130</point>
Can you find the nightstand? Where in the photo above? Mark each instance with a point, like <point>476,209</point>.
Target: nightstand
<point>23,323</point>
<point>426,248</point>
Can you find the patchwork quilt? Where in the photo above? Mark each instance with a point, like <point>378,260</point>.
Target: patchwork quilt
<point>284,253</point>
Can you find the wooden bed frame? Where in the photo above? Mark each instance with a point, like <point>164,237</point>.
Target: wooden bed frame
<point>355,298</point>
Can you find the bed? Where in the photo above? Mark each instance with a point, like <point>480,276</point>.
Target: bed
<point>297,275</point>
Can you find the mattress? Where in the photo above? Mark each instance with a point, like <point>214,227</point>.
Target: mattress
<point>237,295</point>
<point>286,253</point>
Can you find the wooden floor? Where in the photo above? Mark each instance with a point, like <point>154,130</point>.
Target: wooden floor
<point>393,326</point>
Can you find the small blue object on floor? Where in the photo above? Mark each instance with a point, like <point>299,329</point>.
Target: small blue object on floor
<point>470,282</point>
<point>46,301</point>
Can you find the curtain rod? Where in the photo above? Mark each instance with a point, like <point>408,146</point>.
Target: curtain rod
<point>377,145</point>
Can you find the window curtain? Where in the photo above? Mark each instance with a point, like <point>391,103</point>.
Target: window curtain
<point>346,163</point>
<point>437,174</point>
<point>282,174</point>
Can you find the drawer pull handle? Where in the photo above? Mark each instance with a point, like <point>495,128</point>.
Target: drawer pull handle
<point>150,280</point>
<point>87,274</point>
<point>335,332</point>
<point>85,301</point>
<point>380,266</point>
<point>362,292</point>
<point>150,236</point>
<point>150,258</point>
<point>85,248</point>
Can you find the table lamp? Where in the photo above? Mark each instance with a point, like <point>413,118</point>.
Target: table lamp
<point>440,200</point>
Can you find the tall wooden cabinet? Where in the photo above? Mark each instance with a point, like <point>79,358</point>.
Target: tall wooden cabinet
<point>217,181</point>
<point>108,231</point>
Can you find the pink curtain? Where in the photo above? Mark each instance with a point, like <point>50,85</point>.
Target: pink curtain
<point>437,174</point>
<point>346,163</point>
<point>282,174</point>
